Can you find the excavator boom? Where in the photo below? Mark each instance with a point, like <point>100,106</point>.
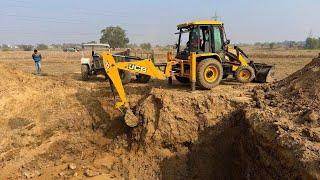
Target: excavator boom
<point>145,66</point>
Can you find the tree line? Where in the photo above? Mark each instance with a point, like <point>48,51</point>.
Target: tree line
<point>24,47</point>
<point>116,37</point>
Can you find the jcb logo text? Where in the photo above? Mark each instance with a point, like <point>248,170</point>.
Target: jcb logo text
<point>137,68</point>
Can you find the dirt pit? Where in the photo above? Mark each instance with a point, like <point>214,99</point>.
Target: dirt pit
<point>54,127</point>
<point>220,137</point>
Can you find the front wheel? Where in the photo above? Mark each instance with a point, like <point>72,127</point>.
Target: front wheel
<point>85,72</point>
<point>245,74</point>
<point>209,73</point>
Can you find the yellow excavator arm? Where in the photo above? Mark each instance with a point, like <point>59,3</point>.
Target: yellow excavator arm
<point>145,67</point>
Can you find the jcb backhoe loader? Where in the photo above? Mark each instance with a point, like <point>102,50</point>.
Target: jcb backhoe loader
<point>204,57</point>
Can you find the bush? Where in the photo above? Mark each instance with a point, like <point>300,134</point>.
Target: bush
<point>42,47</point>
<point>312,43</point>
<point>26,47</point>
<point>6,49</point>
<point>271,45</point>
<point>145,46</point>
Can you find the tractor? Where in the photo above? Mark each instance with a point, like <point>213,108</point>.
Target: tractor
<point>93,66</point>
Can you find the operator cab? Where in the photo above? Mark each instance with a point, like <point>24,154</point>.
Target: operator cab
<point>201,37</point>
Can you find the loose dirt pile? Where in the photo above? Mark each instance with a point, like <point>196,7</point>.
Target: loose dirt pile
<point>46,124</point>
<point>61,128</point>
<point>303,86</point>
<point>289,116</point>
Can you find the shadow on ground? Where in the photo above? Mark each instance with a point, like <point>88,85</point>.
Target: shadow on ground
<point>77,77</point>
<point>229,150</point>
<point>111,125</point>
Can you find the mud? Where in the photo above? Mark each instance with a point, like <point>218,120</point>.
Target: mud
<point>59,127</point>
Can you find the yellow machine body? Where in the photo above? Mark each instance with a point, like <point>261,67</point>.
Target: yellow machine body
<point>204,68</point>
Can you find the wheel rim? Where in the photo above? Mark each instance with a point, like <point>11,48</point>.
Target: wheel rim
<point>211,74</point>
<point>245,74</point>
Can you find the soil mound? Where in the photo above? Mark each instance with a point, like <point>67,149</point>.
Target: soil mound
<point>289,115</point>
<point>303,85</point>
<point>172,117</point>
<point>47,123</point>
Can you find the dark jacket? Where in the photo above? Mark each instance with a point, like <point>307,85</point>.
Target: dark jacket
<point>36,57</point>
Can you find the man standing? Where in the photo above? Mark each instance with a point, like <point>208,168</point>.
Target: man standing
<point>37,60</point>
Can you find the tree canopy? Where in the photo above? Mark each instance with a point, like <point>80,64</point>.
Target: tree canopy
<point>116,37</point>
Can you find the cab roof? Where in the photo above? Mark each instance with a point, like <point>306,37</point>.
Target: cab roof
<point>96,45</point>
<point>202,22</point>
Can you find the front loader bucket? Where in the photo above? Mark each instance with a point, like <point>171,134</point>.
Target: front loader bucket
<point>263,72</point>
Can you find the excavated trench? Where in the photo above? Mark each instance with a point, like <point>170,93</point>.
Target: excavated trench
<point>228,150</point>
<point>214,146</point>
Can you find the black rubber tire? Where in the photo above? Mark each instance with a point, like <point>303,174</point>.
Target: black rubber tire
<point>84,72</point>
<point>201,81</point>
<point>142,78</point>
<point>125,76</point>
<point>248,69</point>
<point>183,80</point>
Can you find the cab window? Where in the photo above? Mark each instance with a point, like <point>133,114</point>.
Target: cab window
<point>217,39</point>
<point>194,40</point>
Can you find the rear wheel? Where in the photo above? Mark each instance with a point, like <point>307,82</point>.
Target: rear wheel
<point>84,72</point>
<point>183,80</point>
<point>209,73</point>
<point>245,74</point>
<point>142,78</point>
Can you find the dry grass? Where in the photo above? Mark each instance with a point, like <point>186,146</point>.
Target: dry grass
<point>59,62</point>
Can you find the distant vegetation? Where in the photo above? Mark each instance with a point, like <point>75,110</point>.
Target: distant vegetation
<point>145,46</point>
<point>26,47</point>
<point>42,47</point>
<point>312,43</point>
<point>116,37</point>
<point>284,44</point>
<point>5,47</point>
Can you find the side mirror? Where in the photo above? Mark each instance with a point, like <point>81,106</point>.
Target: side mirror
<point>228,42</point>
